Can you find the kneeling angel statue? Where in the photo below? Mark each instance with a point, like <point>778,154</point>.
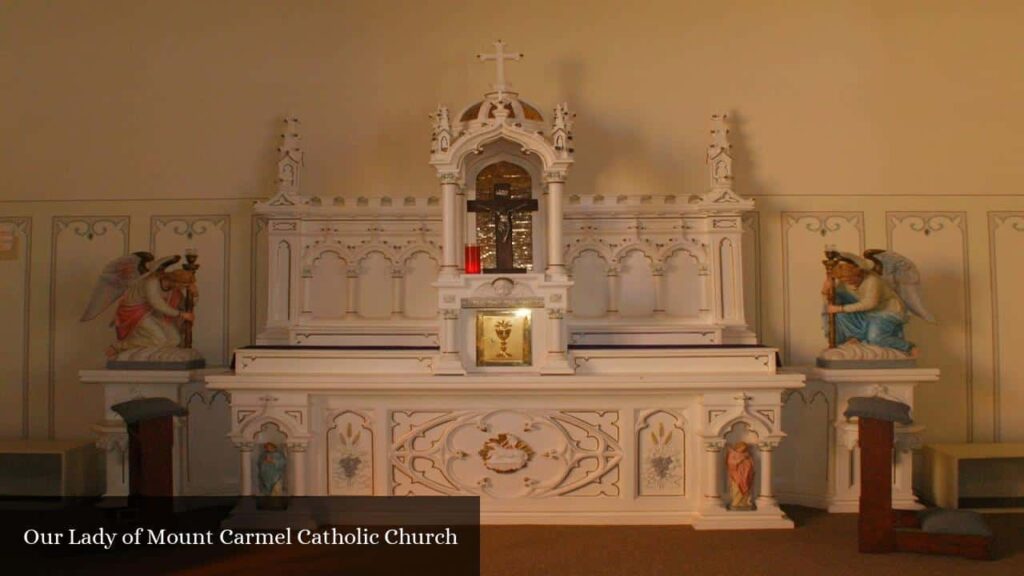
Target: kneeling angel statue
<point>868,300</point>
<point>154,315</point>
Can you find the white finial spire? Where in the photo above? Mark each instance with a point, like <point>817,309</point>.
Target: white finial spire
<point>720,153</point>
<point>499,58</point>
<point>289,163</point>
<point>289,166</point>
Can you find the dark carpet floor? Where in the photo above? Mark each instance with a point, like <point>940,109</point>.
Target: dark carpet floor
<point>822,544</point>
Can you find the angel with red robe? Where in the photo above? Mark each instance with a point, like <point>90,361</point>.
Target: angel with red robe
<point>150,309</point>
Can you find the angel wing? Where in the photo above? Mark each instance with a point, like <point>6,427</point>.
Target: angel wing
<point>902,275</point>
<point>116,277</point>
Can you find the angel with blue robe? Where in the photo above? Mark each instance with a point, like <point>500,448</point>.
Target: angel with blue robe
<point>871,299</point>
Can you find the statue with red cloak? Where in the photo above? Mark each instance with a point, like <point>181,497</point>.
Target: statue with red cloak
<point>154,314</point>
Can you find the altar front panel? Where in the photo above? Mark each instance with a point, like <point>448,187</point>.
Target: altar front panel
<point>590,450</point>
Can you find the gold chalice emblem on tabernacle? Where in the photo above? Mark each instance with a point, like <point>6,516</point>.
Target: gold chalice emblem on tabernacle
<point>503,330</point>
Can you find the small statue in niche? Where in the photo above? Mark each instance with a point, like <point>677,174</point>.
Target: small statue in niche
<point>741,476</point>
<point>867,302</point>
<point>271,468</point>
<point>155,311</point>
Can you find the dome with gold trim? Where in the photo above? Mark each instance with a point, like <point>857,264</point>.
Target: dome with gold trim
<point>519,112</point>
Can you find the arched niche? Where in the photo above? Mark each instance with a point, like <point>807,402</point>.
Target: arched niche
<point>504,162</point>
<point>327,285</point>
<point>636,284</point>
<point>375,270</point>
<point>684,285</point>
<point>741,431</point>
<point>589,293</point>
<point>420,298</point>
<point>270,439</point>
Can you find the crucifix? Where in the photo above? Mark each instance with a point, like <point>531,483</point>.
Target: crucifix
<point>503,209</point>
<point>499,58</point>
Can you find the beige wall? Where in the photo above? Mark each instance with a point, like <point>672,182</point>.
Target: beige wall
<point>872,122</point>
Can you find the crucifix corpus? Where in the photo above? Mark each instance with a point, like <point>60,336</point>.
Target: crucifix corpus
<point>503,208</point>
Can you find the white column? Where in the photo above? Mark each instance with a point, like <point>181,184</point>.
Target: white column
<point>460,228</point>
<point>449,219</point>
<point>556,346</point>
<point>766,499</point>
<point>245,457</point>
<point>613,290</point>
<point>307,293</point>
<point>555,189</point>
<point>714,283</point>
<point>352,277</point>
<point>712,494</point>
<point>397,278</point>
<point>470,228</point>
<point>298,465</point>
<point>658,272</point>
<point>449,362</point>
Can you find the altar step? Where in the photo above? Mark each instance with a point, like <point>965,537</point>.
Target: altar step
<point>585,360</point>
<point>655,331</point>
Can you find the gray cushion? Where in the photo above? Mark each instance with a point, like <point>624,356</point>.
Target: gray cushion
<point>879,409</point>
<point>946,521</point>
<point>143,409</point>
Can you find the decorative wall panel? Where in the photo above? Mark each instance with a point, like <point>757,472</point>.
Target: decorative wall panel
<point>15,296</point>
<point>210,237</point>
<point>1006,244</point>
<point>937,243</point>
<point>805,236</point>
<point>81,246</point>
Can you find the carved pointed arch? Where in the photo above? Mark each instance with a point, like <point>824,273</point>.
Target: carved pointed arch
<point>315,252</point>
<point>488,158</point>
<point>250,425</point>
<point>408,252</point>
<point>474,142</point>
<point>720,422</point>
<point>650,252</point>
<point>694,249</point>
<point>575,252</point>
<point>363,252</point>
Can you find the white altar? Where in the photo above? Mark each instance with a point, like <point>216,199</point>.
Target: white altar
<point>593,372</point>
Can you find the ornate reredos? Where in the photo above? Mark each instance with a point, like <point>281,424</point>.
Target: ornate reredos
<point>567,224</point>
<point>500,115</point>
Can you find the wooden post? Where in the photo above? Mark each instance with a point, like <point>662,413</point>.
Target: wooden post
<point>875,523</point>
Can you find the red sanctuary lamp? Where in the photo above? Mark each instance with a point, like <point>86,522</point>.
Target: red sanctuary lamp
<point>472,259</point>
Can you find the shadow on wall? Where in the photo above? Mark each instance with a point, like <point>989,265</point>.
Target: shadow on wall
<point>613,159</point>
<point>744,161</point>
